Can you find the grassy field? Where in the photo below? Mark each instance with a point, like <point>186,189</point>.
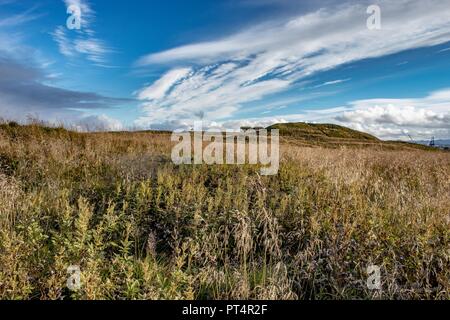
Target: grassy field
<point>141,228</point>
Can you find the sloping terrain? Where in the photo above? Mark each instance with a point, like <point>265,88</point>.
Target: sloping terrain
<point>335,136</point>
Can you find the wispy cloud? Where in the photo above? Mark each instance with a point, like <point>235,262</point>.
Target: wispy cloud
<point>329,83</point>
<point>83,42</point>
<point>18,19</point>
<point>159,89</point>
<point>11,35</point>
<point>272,57</point>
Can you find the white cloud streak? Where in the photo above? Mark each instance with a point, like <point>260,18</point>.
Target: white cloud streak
<point>18,19</point>
<point>329,83</point>
<point>159,89</point>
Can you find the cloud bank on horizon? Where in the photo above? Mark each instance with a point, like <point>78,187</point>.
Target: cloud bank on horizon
<point>294,67</point>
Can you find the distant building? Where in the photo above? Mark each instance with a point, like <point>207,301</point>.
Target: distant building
<point>256,129</point>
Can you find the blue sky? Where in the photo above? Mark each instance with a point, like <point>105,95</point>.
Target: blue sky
<point>162,65</point>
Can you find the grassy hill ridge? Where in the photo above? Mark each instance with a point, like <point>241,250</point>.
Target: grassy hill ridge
<point>336,136</point>
<point>298,134</point>
<point>321,131</point>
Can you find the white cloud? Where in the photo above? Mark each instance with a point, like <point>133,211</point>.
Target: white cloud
<point>99,123</point>
<point>269,58</point>
<point>335,30</point>
<point>160,87</point>
<point>94,49</point>
<point>396,118</point>
<point>65,45</point>
<point>18,19</point>
<point>329,83</point>
<point>11,40</point>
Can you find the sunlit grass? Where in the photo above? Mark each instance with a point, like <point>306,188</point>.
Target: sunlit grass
<point>142,228</point>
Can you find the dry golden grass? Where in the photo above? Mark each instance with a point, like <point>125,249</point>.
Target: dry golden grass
<point>141,228</point>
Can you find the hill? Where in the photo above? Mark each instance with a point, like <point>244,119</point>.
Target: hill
<point>321,132</point>
<point>335,136</point>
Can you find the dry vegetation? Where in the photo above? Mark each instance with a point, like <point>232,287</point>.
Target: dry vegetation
<point>142,228</point>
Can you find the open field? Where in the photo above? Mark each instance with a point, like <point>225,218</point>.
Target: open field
<point>141,228</point>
